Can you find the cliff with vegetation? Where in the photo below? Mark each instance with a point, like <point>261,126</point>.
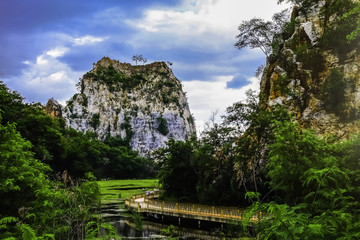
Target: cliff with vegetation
<point>314,70</point>
<point>143,104</point>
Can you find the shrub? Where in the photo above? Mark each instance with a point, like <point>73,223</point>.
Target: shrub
<point>114,79</point>
<point>334,92</point>
<point>163,126</point>
<point>95,120</point>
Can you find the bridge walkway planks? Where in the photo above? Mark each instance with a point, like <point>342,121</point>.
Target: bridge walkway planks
<point>143,203</point>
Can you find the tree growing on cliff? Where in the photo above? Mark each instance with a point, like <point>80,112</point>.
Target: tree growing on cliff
<point>258,33</point>
<point>255,33</point>
<point>139,58</point>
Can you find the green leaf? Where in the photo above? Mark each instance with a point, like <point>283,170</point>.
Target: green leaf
<point>27,232</point>
<point>316,229</point>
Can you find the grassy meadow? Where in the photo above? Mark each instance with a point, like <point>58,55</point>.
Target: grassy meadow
<point>113,191</point>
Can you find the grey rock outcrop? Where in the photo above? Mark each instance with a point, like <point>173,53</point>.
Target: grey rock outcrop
<point>53,108</point>
<point>315,75</point>
<point>143,104</point>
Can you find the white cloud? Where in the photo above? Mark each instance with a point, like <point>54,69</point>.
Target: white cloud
<point>195,18</point>
<point>47,77</point>
<point>86,40</point>
<point>207,97</point>
<point>57,52</point>
<point>208,26</point>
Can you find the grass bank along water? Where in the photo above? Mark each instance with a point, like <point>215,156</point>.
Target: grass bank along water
<point>115,191</point>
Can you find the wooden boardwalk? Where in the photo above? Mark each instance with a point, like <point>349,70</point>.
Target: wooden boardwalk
<point>143,203</point>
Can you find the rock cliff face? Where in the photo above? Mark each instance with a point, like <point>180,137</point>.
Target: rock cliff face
<point>53,108</point>
<point>316,74</point>
<point>143,104</point>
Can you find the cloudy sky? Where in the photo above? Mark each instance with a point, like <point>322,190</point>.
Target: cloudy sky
<point>46,46</point>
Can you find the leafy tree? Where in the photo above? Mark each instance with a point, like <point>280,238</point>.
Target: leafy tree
<point>177,173</point>
<point>257,33</point>
<point>124,163</point>
<point>64,207</point>
<point>82,153</point>
<point>11,104</point>
<point>20,173</point>
<point>314,187</point>
<point>227,160</point>
<point>41,130</point>
<point>292,154</point>
<point>41,206</point>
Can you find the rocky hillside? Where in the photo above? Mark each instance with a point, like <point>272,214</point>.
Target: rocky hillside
<point>315,72</point>
<point>144,104</point>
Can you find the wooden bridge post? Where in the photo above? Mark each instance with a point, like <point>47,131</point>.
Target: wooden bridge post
<point>213,210</point>
<point>162,206</point>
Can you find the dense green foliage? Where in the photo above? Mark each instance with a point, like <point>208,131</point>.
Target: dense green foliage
<point>33,205</point>
<point>20,173</point>
<point>42,166</point>
<point>66,149</point>
<point>308,189</point>
<point>114,79</point>
<point>313,186</point>
<point>220,167</point>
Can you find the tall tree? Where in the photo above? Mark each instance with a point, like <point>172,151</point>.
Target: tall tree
<point>257,33</point>
<point>139,58</point>
<point>20,173</point>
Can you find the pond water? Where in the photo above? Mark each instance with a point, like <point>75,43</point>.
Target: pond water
<point>151,226</point>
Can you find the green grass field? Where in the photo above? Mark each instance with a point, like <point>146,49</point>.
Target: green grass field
<point>111,189</point>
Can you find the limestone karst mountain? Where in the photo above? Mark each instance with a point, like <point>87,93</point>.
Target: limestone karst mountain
<point>143,104</point>
<point>315,73</point>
